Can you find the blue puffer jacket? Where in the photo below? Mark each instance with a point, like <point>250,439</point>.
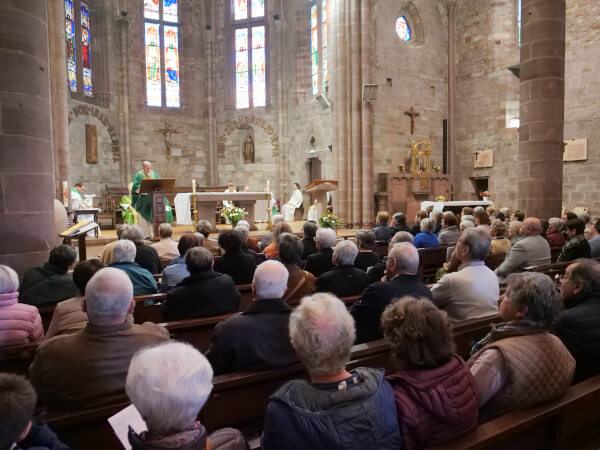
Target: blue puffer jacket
<point>362,416</point>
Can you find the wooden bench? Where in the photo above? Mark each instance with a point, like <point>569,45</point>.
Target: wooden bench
<point>381,248</point>
<point>431,259</point>
<point>567,423</point>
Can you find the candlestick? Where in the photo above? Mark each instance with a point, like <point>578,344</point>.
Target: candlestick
<point>193,186</point>
<point>65,189</point>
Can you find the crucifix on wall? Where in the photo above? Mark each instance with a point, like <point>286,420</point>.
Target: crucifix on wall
<point>413,115</point>
<point>167,131</point>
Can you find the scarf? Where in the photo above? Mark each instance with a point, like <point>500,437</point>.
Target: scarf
<point>575,240</point>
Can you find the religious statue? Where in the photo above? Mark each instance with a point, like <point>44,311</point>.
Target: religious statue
<point>421,156</point>
<point>248,150</point>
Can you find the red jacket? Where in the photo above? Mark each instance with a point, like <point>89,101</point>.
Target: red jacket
<point>437,405</point>
<point>555,239</point>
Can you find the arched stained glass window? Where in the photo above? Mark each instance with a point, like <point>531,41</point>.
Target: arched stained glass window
<point>161,40</point>
<point>250,57</point>
<point>402,29</point>
<point>78,40</point>
<point>318,45</point>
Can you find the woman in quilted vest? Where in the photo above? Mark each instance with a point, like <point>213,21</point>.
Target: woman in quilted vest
<point>436,396</point>
<point>19,323</point>
<point>519,364</point>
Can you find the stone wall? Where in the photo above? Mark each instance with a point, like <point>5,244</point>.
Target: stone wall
<point>412,73</point>
<point>487,93</point>
<point>582,103</point>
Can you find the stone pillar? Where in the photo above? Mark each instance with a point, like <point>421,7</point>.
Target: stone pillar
<point>352,63</point>
<point>211,120</point>
<point>539,169</point>
<point>126,162</point>
<point>59,94</point>
<point>451,96</point>
<point>26,170</point>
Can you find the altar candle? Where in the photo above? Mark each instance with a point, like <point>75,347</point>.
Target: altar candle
<point>194,187</point>
<point>65,189</point>
<point>268,185</point>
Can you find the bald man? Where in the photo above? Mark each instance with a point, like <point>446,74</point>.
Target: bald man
<point>531,250</point>
<point>258,338</point>
<point>142,203</point>
<point>88,369</point>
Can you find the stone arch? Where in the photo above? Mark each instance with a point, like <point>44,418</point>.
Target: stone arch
<point>314,139</point>
<point>412,16</point>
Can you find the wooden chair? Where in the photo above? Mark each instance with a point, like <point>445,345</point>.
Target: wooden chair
<point>381,248</point>
<point>430,260</point>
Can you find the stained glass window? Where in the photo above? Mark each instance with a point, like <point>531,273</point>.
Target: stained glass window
<point>324,39</point>
<point>170,10</point>
<point>153,84</point>
<point>314,49</point>
<point>250,53</point>
<point>402,28</point>
<point>86,53</point>
<point>240,8</point>
<point>258,8</point>
<point>71,49</point>
<point>151,10</point>
<point>161,40</point>
<point>318,46</point>
<point>519,20</point>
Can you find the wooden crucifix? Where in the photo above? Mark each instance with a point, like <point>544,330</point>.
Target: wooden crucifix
<point>413,115</point>
<point>167,131</point>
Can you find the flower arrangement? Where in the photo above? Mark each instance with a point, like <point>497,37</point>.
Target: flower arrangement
<point>329,220</point>
<point>437,169</point>
<point>485,194</point>
<point>401,168</point>
<point>440,198</point>
<point>233,214</point>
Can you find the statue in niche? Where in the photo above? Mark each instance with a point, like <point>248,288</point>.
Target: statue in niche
<point>248,150</point>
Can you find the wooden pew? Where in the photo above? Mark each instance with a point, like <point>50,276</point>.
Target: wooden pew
<point>430,260</point>
<point>17,358</point>
<point>195,331</point>
<point>381,247</point>
<point>567,423</point>
<point>238,399</point>
<point>555,253</point>
<point>46,315</point>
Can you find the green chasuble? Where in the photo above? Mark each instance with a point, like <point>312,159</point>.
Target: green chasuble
<point>143,203</point>
<point>129,214</point>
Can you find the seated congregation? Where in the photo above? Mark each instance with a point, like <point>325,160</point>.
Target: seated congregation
<point>316,303</point>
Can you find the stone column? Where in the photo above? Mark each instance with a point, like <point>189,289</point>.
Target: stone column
<point>352,118</point>
<point>26,171</point>
<point>539,169</point>
<point>59,94</point>
<point>126,162</point>
<point>211,97</point>
<point>451,96</point>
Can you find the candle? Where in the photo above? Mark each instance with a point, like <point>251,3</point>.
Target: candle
<point>65,189</point>
<point>194,186</point>
<point>268,185</point>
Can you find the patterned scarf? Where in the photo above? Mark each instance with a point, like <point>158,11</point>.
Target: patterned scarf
<point>508,329</point>
<point>575,240</point>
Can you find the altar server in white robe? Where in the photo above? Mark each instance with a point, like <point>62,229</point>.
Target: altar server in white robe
<point>293,203</point>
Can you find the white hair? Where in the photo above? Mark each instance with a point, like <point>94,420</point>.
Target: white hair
<point>169,384</point>
<point>478,208</point>
<point>466,224</point>
<point>270,280</point>
<point>406,256</point>
<point>427,225</point>
<point>133,233</point>
<point>345,253</point>
<point>124,251</point>
<point>326,237</point>
<point>243,230</point>
<point>555,222</point>
<point>478,240</point>
<point>322,332</point>
<point>244,223</point>
<point>505,211</point>
<point>468,217</point>
<point>277,218</point>
<point>9,280</point>
<point>108,296</point>
<point>402,236</point>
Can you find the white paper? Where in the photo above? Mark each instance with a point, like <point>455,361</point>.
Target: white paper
<point>121,422</point>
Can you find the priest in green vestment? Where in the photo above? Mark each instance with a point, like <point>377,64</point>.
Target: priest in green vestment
<point>143,202</point>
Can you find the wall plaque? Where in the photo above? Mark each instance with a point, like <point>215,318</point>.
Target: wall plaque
<point>575,150</point>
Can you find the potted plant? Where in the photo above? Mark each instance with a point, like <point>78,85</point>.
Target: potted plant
<point>329,220</point>
<point>401,168</point>
<point>485,195</point>
<point>233,214</point>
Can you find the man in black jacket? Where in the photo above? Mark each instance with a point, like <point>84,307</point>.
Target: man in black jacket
<point>578,325</point>
<point>238,265</point>
<point>204,293</point>
<point>258,338</point>
<point>320,262</point>
<point>50,283</point>
<point>401,271</point>
<point>344,280</point>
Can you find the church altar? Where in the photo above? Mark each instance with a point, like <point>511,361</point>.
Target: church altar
<point>455,206</point>
<point>206,204</point>
<point>405,192</point>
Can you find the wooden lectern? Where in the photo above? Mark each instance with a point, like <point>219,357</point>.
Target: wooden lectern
<point>157,187</point>
<point>318,191</point>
